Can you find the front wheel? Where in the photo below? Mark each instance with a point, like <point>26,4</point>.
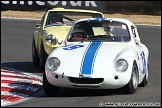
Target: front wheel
<point>43,57</point>
<point>35,56</point>
<point>145,80</point>
<point>132,86</point>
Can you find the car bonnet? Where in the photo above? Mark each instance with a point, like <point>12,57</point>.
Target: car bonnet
<point>89,58</point>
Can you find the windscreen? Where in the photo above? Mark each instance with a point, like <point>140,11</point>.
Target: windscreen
<point>68,17</point>
<point>110,31</point>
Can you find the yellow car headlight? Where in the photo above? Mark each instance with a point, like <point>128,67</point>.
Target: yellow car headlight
<point>51,39</point>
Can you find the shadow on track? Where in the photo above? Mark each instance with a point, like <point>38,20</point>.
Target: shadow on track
<point>72,92</point>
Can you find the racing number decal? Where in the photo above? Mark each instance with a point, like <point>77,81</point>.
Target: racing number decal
<point>72,47</point>
<point>143,62</point>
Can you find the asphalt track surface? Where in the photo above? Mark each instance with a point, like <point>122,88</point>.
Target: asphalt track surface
<point>16,52</point>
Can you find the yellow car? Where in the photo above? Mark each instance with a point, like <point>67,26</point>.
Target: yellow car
<point>54,27</point>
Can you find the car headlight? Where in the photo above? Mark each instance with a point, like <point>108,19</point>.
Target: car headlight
<point>51,39</point>
<point>53,64</point>
<point>121,65</point>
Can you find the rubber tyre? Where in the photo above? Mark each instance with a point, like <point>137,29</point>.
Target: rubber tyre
<point>145,80</point>
<point>43,57</point>
<point>35,57</point>
<point>49,89</point>
<point>132,86</point>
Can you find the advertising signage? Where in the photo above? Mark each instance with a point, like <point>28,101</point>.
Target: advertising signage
<point>42,5</point>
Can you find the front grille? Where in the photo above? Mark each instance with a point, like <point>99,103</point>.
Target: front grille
<point>85,80</point>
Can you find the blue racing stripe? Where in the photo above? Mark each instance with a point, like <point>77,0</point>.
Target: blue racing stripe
<point>88,59</point>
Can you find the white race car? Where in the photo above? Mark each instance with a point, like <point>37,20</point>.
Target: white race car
<point>98,53</point>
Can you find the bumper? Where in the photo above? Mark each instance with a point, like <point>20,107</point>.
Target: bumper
<point>106,82</point>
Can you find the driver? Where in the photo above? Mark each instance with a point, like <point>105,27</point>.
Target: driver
<point>77,34</point>
<point>56,18</point>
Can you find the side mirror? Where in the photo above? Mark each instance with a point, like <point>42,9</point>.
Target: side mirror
<point>38,26</point>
